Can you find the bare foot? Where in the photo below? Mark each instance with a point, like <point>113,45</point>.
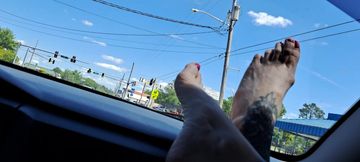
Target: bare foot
<point>259,97</point>
<point>207,135</point>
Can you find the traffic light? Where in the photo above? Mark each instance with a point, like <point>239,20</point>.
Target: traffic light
<point>56,54</point>
<point>51,60</point>
<point>152,81</point>
<point>102,75</point>
<point>89,70</point>
<point>73,59</point>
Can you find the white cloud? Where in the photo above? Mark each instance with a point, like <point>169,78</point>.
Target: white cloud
<point>87,23</point>
<point>20,41</point>
<point>111,67</point>
<point>263,18</point>
<point>176,37</point>
<point>95,41</point>
<point>134,79</point>
<point>320,76</point>
<point>112,59</point>
<point>291,116</point>
<point>324,43</point>
<point>99,43</point>
<point>319,25</point>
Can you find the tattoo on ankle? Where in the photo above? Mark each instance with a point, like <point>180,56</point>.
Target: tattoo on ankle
<point>258,124</point>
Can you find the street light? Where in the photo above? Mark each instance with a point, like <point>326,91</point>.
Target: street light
<point>206,13</point>
<point>233,16</point>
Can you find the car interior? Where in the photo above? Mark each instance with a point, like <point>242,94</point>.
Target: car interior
<point>45,118</point>
<point>76,123</point>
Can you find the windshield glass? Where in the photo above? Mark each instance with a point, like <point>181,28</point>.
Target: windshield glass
<point>134,51</point>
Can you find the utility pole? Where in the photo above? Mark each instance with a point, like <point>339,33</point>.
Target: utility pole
<point>142,93</point>
<point>27,51</point>
<point>128,82</point>
<point>120,84</point>
<point>234,15</point>
<point>33,51</point>
<point>152,89</point>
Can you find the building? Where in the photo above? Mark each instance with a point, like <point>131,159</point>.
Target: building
<point>212,93</point>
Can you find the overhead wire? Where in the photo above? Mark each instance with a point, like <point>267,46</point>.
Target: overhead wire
<point>108,44</point>
<point>298,34</point>
<point>151,15</point>
<point>101,33</point>
<point>132,26</point>
<point>262,49</point>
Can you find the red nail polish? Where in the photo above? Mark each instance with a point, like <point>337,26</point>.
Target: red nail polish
<point>297,44</point>
<point>198,66</point>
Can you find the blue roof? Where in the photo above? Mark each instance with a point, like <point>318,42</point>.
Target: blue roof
<point>321,123</point>
<point>313,127</point>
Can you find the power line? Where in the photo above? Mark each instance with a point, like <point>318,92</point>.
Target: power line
<point>304,40</point>
<point>106,38</point>
<point>109,44</point>
<point>152,16</point>
<point>132,26</point>
<point>46,57</point>
<point>298,34</point>
<point>102,33</point>
<point>262,49</point>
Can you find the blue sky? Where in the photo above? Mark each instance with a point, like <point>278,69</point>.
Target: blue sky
<point>327,73</point>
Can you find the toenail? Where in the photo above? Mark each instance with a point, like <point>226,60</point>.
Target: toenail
<point>198,66</point>
<point>297,44</point>
<point>290,40</point>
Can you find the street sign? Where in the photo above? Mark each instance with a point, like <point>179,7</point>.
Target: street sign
<point>155,94</point>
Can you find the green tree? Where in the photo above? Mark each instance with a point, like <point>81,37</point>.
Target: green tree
<point>7,55</point>
<point>7,40</point>
<point>72,76</point>
<point>227,105</point>
<point>311,111</point>
<point>58,70</point>
<point>8,46</point>
<point>168,98</point>
<point>282,111</point>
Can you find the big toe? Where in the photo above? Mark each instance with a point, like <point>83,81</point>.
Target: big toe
<point>190,74</point>
<point>291,52</point>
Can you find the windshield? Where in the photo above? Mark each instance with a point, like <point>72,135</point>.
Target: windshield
<point>134,51</point>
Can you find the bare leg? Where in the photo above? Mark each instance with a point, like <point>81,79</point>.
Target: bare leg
<point>207,135</point>
<point>258,99</point>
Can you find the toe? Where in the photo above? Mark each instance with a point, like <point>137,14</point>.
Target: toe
<point>291,52</point>
<point>277,52</point>
<point>256,59</point>
<point>266,56</point>
<point>191,70</point>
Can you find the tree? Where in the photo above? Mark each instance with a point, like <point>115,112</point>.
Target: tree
<point>168,98</point>
<point>7,55</point>
<point>227,105</point>
<point>7,40</point>
<point>8,46</point>
<point>57,70</point>
<point>311,111</point>
<point>282,111</point>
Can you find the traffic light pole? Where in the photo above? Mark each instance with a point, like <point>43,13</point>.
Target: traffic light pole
<point>128,82</point>
<point>227,54</point>
<point>142,93</point>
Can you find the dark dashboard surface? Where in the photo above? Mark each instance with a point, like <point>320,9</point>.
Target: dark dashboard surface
<point>43,118</point>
